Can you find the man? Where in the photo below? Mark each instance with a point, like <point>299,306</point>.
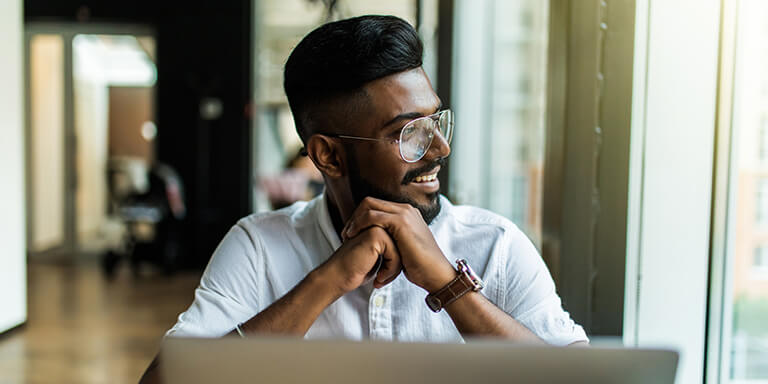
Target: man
<point>358,261</point>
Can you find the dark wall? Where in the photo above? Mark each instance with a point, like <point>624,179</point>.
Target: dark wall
<point>203,51</point>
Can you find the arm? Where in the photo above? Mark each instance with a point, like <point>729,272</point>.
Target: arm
<point>426,266</point>
<point>292,314</point>
<point>295,312</point>
<point>474,315</point>
<point>345,270</point>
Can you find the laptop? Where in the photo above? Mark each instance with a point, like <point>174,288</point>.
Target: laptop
<point>272,360</point>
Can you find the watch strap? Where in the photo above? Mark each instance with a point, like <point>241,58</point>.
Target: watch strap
<point>458,287</point>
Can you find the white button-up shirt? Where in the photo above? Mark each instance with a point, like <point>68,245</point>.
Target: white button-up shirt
<point>265,255</point>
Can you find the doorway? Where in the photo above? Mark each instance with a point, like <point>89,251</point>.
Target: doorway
<point>90,94</point>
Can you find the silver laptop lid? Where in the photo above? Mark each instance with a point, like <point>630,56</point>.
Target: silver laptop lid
<point>234,360</point>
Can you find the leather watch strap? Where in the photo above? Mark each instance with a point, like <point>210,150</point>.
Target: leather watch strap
<point>457,288</point>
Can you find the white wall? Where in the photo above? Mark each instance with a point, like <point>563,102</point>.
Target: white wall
<point>673,130</point>
<point>46,143</point>
<point>13,300</point>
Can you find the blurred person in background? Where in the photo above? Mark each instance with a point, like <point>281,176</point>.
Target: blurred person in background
<point>300,181</point>
<point>373,256</point>
<point>149,204</point>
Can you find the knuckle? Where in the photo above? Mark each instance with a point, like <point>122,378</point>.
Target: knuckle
<point>377,232</point>
<point>379,236</point>
<point>369,235</point>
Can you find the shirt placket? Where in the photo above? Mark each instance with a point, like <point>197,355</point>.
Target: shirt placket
<point>380,313</point>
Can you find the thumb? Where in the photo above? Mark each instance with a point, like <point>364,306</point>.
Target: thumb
<point>391,265</point>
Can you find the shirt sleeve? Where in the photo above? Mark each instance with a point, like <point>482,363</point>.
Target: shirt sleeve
<point>531,297</point>
<point>227,294</point>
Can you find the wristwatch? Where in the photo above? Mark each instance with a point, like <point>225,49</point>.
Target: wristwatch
<point>467,281</point>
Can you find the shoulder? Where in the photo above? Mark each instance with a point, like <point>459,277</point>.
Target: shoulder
<point>490,237</point>
<point>263,224</point>
<point>474,217</point>
<point>241,253</point>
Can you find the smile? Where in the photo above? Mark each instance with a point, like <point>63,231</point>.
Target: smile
<point>425,178</point>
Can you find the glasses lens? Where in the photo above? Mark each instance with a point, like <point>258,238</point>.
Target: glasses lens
<point>415,139</point>
<point>445,122</point>
<point>417,135</point>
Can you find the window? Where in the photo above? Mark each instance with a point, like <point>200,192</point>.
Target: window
<point>500,102</point>
<point>763,140</point>
<point>743,351</point>
<point>760,262</point>
<point>761,200</point>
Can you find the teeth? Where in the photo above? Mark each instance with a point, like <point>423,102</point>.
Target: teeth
<point>427,178</point>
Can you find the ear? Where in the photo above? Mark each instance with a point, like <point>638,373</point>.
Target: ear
<point>328,155</point>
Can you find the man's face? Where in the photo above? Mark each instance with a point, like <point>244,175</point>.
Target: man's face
<point>376,168</point>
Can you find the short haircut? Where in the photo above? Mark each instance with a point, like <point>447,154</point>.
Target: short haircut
<point>333,63</point>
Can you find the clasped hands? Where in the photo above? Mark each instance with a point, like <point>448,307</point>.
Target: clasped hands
<point>398,235</point>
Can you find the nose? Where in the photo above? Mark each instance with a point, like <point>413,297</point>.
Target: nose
<point>438,148</point>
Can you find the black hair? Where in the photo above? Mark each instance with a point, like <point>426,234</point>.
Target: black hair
<point>333,63</point>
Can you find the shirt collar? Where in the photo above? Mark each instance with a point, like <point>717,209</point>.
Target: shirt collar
<point>326,225</point>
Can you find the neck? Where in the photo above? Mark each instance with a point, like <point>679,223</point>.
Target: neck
<point>339,216</point>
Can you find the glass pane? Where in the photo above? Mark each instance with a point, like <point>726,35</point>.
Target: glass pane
<point>500,109</point>
<point>281,25</point>
<point>748,353</point>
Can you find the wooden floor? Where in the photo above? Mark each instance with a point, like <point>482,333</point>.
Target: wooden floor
<point>84,329</point>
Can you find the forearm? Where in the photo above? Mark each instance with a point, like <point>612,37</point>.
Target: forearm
<point>475,316</point>
<point>294,313</point>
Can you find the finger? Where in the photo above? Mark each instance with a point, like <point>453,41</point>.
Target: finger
<point>388,274</point>
<point>379,284</point>
<point>391,264</point>
<point>383,205</point>
<point>353,222</point>
<point>384,283</point>
<point>376,267</point>
<point>372,203</point>
<point>368,219</point>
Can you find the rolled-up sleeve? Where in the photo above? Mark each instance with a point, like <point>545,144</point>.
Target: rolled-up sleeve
<point>228,293</point>
<point>531,297</point>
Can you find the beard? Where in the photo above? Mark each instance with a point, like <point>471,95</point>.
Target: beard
<point>362,188</point>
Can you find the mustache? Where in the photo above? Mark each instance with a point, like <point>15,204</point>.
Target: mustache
<point>410,175</point>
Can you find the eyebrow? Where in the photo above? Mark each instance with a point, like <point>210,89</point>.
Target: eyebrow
<point>410,116</point>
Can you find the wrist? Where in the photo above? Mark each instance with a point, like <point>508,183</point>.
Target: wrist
<point>466,281</point>
<point>326,278</point>
<point>440,277</point>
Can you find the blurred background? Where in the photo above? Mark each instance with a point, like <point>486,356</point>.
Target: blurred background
<point>627,138</point>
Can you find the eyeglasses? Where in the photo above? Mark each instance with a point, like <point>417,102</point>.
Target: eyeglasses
<point>416,136</point>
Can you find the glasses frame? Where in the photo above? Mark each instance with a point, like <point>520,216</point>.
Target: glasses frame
<point>435,118</point>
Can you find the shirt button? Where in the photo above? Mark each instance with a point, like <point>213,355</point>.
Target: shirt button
<point>378,301</point>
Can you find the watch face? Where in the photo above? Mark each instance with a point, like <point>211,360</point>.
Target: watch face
<point>465,268</point>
